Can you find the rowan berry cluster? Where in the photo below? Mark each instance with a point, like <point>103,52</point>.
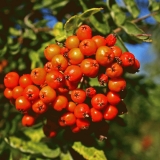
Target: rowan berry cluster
<point>60,92</point>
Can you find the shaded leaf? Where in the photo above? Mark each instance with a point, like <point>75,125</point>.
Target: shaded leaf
<point>132,7</point>
<point>101,26</point>
<point>71,24</point>
<point>59,32</point>
<point>14,31</point>
<point>14,47</point>
<point>89,13</point>
<point>133,30</point>
<point>89,153</point>
<point>66,156</point>
<point>155,7</point>
<point>28,33</point>
<point>117,14</point>
<point>3,51</point>
<point>120,43</point>
<point>33,148</point>
<point>37,133</point>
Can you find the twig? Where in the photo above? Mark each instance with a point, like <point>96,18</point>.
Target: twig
<point>136,20</point>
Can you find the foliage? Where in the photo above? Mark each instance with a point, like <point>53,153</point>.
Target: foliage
<point>23,36</point>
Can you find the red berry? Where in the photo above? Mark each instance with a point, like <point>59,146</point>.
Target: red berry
<point>28,120</point>
<point>8,93</point>
<point>96,115</point>
<point>72,42</point>
<point>104,56</point>
<point>55,79</point>
<point>89,67</point>
<point>114,71</point>
<point>59,62</point>
<point>102,79</point>
<point>110,112</point>
<point>88,47</point>
<point>60,103</point>
<point>22,104</point>
<point>38,76</point>
<point>84,32</point>
<point>127,59</point>
<point>68,119</point>
<point>11,80</point>
<point>51,50</point>
<point>117,84</point>
<point>99,101</point>
<point>113,98</point>
<point>82,110</point>
<point>25,80</point>
<point>99,40</point>
<point>78,95</point>
<point>82,123</point>
<point>111,40</point>
<point>73,73</point>
<point>47,94</point>
<point>31,92</point>
<point>39,107</point>
<point>75,56</point>
<point>17,92</point>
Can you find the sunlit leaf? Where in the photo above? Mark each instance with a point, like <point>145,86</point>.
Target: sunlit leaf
<point>118,16</point>
<point>28,33</point>
<point>86,14</point>
<point>155,7</point>
<point>133,30</point>
<point>89,153</point>
<point>3,51</point>
<point>116,13</point>
<point>14,47</point>
<point>132,7</point>
<point>33,148</point>
<point>66,156</point>
<point>71,24</point>
<point>120,43</point>
<point>100,25</point>
<point>14,31</point>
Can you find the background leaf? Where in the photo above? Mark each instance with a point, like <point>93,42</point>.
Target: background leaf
<point>132,8</point>
<point>89,153</point>
<point>133,30</point>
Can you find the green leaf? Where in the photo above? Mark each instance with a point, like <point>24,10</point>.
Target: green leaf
<point>101,26</point>
<point>133,30</point>
<point>32,147</point>
<point>71,24</point>
<point>35,59</point>
<point>89,153</point>
<point>28,33</point>
<point>89,13</point>
<point>3,51</point>
<point>59,32</point>
<point>118,16</point>
<point>120,43</point>
<point>155,7</point>
<point>58,4</point>
<point>37,133</point>
<point>14,47</point>
<point>65,156</point>
<point>14,31</point>
<point>132,7</point>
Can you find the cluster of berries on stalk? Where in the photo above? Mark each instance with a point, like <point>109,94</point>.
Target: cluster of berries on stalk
<point>60,94</point>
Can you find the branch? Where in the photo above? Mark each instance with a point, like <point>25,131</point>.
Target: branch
<point>136,20</point>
